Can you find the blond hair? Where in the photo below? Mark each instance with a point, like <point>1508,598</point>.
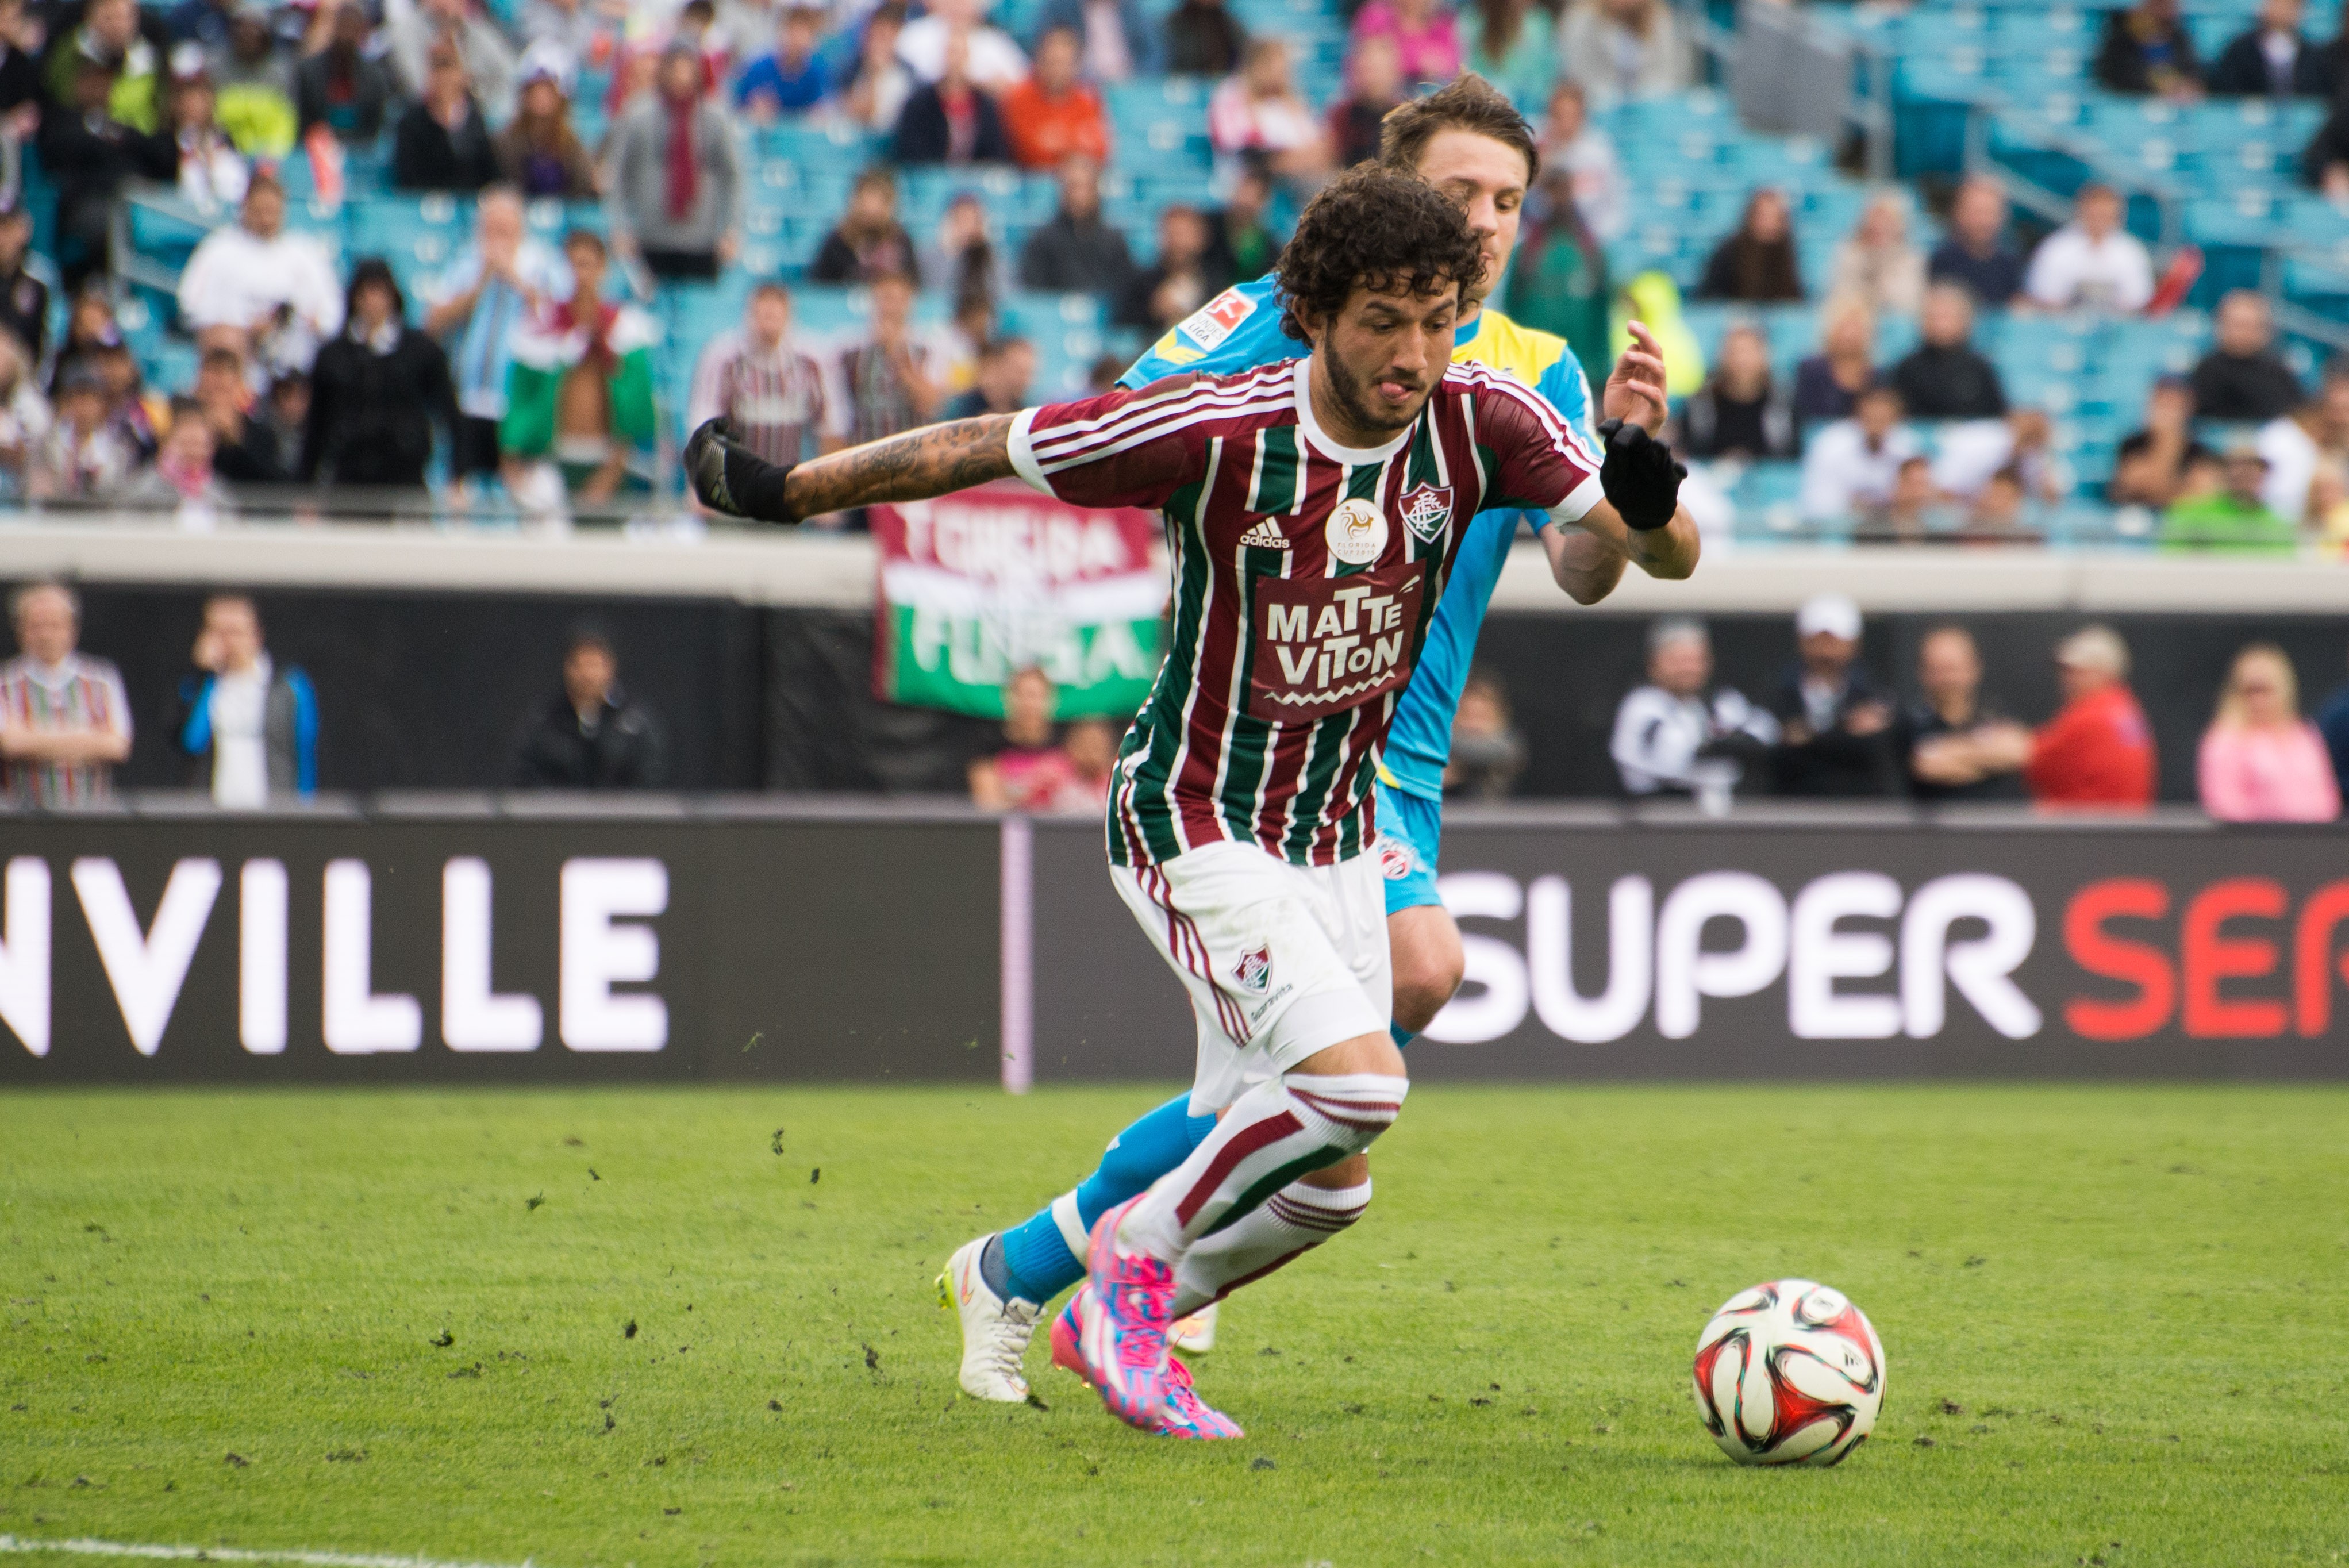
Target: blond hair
<point>2233,713</point>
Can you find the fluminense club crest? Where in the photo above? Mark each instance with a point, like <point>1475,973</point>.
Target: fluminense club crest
<point>1426,510</point>
<point>1254,971</point>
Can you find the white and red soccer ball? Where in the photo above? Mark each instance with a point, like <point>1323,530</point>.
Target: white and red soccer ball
<point>1788,1373</point>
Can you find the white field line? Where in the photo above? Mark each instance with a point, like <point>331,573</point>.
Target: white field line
<point>83,1547</point>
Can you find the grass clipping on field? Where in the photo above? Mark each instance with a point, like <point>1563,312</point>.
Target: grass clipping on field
<point>395,1322</point>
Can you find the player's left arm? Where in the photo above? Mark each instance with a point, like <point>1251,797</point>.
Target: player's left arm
<point>933,461</point>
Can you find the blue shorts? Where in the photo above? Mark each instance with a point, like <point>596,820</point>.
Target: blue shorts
<point>1411,831</point>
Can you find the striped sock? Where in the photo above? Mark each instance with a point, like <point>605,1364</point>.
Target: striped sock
<point>1271,1135</point>
<point>1292,1222</point>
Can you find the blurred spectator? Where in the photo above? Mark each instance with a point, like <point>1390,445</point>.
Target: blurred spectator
<point>251,728</point>
<point>125,43</point>
<point>868,243</point>
<point>1835,720</point>
<point>579,392</point>
<point>1054,115</point>
<point>204,21</point>
<point>992,62</point>
<point>2324,163</point>
<point>1945,377</point>
<point>88,153</point>
<point>1488,752</point>
<point>964,259</point>
<point>180,478</point>
<point>572,26</point>
<point>1183,278</point>
<point>2272,58</point>
<point>951,119</point>
<point>254,81</point>
<point>1259,115</point>
<point>244,449</point>
<point>2000,512</point>
<point>789,78</point>
<point>889,381</point>
<point>193,148</point>
<point>376,393</point>
<point>1030,772</point>
<point>413,29</point>
<point>286,410</point>
<point>341,86</point>
<point>1587,154</point>
<point>2332,723</point>
<point>496,285</point>
<point>1240,241</point>
<point>83,458</point>
<point>1852,465</point>
<point>1739,413</point>
<point>1077,252</point>
<point>65,718</point>
<point>2098,750</point>
<point>441,143</point>
<point>1680,734</point>
<point>252,287</point>
<point>1619,49</point>
<point>1956,742</point>
<point>695,28</point>
<point>2021,445</point>
<point>1375,72</point>
<point>1119,43</point>
<point>2091,262</point>
<point>677,176</point>
<point>878,85</point>
<point>1203,39</point>
<point>25,418</point>
<point>89,328</point>
<point>1876,262</point>
<point>2148,49</point>
<point>24,281</point>
<point>2260,760</point>
<point>1974,252</point>
<point>2232,516</point>
<point>2242,378</point>
<point>1102,375</point>
<point>2312,436</point>
<point>538,152</point>
<point>2149,466</point>
<point>1511,44</point>
<point>755,378</point>
<point>999,386</point>
<point>131,412</point>
<point>1558,283</point>
<point>1425,43</point>
<point>591,736</point>
<point>967,334</point>
<point>1910,513</point>
<point>1756,264</point>
<point>20,77</point>
<point>1090,745</point>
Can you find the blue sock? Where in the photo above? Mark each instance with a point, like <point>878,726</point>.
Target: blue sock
<point>1037,1256</point>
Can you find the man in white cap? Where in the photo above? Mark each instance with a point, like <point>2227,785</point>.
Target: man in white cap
<point>1835,719</point>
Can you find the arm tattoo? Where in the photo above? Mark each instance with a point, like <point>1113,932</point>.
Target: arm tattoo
<point>914,466</point>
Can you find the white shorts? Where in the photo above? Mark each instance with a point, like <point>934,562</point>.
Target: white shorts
<point>1281,961</point>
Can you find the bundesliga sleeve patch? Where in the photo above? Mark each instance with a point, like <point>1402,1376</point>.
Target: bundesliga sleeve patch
<point>1208,326</point>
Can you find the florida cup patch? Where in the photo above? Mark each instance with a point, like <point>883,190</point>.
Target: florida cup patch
<point>1426,510</point>
<point>1254,971</point>
<point>1356,532</point>
<point>1397,859</point>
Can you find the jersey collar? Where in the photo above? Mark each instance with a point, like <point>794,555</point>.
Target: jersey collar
<point>1353,457</point>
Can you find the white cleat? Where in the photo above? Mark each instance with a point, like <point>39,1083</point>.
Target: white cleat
<point>1196,1334</point>
<point>995,1332</point>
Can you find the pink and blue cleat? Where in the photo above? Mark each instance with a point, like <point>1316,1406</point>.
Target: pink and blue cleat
<point>1123,1341</point>
<point>1187,1415</point>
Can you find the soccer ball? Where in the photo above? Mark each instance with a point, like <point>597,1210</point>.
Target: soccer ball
<point>1789,1373</point>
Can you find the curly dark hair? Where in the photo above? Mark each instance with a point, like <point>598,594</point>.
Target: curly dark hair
<point>1376,228</point>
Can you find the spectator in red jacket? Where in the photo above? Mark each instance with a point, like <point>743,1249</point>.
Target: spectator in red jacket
<point>2097,753</point>
<point>1054,114</point>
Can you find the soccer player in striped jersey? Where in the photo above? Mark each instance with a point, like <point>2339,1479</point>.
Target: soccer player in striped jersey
<point>1315,510</point>
<point>1472,144</point>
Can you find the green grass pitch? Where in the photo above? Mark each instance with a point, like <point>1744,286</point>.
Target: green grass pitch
<point>649,1327</point>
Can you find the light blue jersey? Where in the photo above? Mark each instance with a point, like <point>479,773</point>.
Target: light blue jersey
<point>1239,329</point>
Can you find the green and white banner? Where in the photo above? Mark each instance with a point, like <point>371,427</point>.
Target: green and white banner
<point>985,582</point>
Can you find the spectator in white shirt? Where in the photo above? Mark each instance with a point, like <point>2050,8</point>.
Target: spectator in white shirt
<point>995,63</point>
<point>1569,142</point>
<point>251,727</point>
<point>270,295</point>
<point>2297,445</point>
<point>2091,262</point>
<point>1680,734</point>
<point>1854,464</point>
<point>1258,116</point>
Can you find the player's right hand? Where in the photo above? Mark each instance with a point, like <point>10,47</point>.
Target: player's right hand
<point>729,477</point>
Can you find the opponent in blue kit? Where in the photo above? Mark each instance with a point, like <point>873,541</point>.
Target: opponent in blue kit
<point>1467,141</point>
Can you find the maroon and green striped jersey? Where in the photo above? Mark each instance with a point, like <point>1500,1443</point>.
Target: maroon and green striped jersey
<point>1305,573</point>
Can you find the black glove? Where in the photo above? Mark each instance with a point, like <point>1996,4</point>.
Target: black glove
<point>729,477</point>
<point>1639,476</point>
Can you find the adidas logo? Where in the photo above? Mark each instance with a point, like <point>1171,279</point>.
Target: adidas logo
<point>1264,536</point>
